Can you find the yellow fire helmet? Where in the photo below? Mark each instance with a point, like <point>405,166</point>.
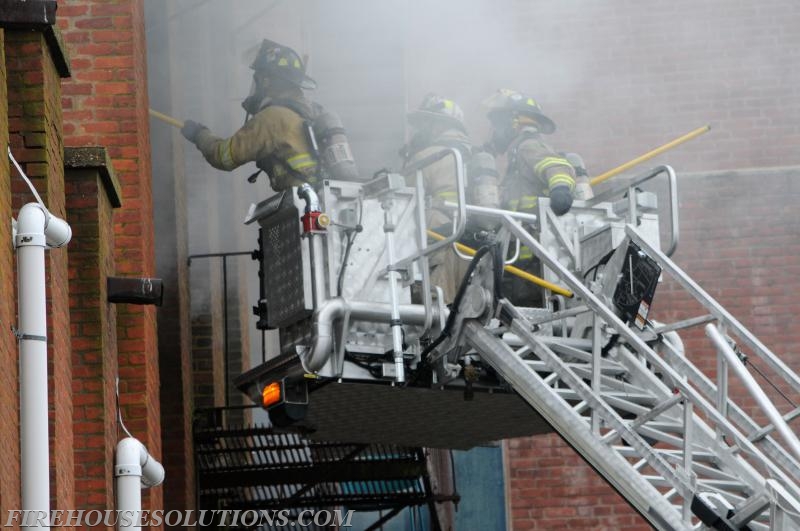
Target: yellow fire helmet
<point>434,107</point>
<point>509,103</point>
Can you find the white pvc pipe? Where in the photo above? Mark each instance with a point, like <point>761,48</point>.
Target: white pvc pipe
<point>30,243</point>
<point>134,470</point>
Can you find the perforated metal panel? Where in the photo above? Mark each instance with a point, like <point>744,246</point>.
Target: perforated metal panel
<point>283,267</point>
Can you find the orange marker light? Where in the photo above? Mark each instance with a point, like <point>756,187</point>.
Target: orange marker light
<point>271,394</point>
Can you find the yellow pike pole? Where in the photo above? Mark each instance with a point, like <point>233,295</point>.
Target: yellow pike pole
<point>649,155</point>
<point>511,269</point>
<point>168,119</point>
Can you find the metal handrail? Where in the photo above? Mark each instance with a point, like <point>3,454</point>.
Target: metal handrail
<point>754,389</point>
<point>716,309</point>
<point>225,341</point>
<point>461,220</point>
<point>637,343</point>
<point>629,188</point>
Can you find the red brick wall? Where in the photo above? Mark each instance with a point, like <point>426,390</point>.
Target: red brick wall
<point>94,349</point>
<point>9,390</point>
<point>36,139</point>
<point>550,488</point>
<point>105,103</point>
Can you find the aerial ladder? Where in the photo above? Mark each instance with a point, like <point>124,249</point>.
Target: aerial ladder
<point>346,283</point>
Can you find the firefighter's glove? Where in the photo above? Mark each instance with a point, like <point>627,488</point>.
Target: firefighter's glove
<point>191,129</point>
<point>560,200</point>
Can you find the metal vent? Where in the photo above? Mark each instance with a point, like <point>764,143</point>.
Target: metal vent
<point>283,268</point>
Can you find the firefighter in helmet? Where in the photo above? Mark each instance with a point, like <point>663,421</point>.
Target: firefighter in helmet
<point>533,170</point>
<point>275,135</point>
<point>438,124</point>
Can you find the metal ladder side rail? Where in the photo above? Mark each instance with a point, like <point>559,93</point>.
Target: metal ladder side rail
<point>652,357</point>
<point>772,445</point>
<point>732,360</point>
<point>729,459</point>
<point>587,394</point>
<point>676,431</point>
<point>716,480</point>
<point>717,310</point>
<point>640,493</point>
<point>767,443</point>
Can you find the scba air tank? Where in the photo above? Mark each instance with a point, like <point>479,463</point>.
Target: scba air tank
<point>484,182</point>
<point>334,148</point>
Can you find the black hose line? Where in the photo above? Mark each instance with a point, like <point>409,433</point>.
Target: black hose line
<point>462,289</point>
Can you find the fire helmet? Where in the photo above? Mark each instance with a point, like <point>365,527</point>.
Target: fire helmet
<point>434,108</point>
<point>506,103</point>
<point>280,61</point>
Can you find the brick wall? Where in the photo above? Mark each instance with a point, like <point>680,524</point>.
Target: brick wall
<point>549,488</point>
<point>35,136</point>
<point>92,191</point>
<point>105,103</point>
<point>9,396</point>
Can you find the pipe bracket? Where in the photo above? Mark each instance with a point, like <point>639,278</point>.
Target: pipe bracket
<point>21,335</point>
<point>127,470</point>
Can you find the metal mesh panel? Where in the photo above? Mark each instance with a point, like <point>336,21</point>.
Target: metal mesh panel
<point>283,268</point>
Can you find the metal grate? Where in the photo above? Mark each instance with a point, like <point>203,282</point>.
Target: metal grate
<point>282,266</point>
<point>258,468</point>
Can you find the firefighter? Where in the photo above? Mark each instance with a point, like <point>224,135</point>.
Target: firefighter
<point>275,135</point>
<point>533,170</point>
<point>438,124</point>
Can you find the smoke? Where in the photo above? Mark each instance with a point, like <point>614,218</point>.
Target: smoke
<point>618,78</point>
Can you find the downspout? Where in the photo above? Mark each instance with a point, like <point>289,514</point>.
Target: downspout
<point>134,469</point>
<point>36,229</point>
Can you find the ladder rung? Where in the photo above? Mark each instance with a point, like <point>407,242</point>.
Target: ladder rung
<point>630,452</point>
<point>626,405</point>
<point>726,486</point>
<point>660,436</point>
<point>609,368</point>
<point>614,398</point>
<point>665,426</point>
<point>686,323</point>
<point>711,472</point>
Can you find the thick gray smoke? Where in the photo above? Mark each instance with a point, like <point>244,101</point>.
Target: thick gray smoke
<point>619,78</point>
